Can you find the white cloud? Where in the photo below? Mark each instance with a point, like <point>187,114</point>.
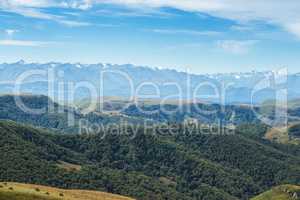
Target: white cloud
<point>32,8</point>
<point>73,23</point>
<point>294,28</point>
<point>27,8</point>
<point>26,3</point>
<point>281,13</point>
<point>137,12</point>
<point>24,43</point>
<point>11,32</point>
<point>186,32</point>
<point>278,12</point>
<point>236,46</point>
<point>242,28</point>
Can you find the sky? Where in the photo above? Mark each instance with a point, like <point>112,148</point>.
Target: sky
<point>198,36</point>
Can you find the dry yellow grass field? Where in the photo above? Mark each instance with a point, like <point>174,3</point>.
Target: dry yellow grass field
<point>281,135</point>
<point>278,134</point>
<point>37,192</point>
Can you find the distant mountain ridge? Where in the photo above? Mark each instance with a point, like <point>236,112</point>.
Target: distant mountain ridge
<point>118,80</point>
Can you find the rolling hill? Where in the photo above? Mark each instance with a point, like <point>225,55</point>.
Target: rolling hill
<point>17,191</point>
<point>54,116</point>
<point>189,167</point>
<point>143,163</point>
<point>285,135</point>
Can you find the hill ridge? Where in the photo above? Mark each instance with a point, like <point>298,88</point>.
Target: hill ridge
<point>16,190</point>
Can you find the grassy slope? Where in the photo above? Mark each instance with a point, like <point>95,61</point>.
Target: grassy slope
<point>284,192</point>
<point>282,135</point>
<point>17,191</point>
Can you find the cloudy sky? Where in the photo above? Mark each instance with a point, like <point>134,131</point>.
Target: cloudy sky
<point>201,36</point>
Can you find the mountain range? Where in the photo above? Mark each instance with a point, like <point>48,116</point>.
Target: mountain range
<point>58,79</point>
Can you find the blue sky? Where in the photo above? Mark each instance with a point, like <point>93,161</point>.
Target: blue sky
<point>207,36</point>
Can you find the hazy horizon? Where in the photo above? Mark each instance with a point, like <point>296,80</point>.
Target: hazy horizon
<point>183,70</point>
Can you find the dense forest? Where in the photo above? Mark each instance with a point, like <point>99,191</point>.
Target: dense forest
<point>146,167</point>
<point>153,164</point>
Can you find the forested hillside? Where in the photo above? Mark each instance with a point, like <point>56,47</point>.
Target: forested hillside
<point>53,115</point>
<point>56,116</point>
<point>146,167</point>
